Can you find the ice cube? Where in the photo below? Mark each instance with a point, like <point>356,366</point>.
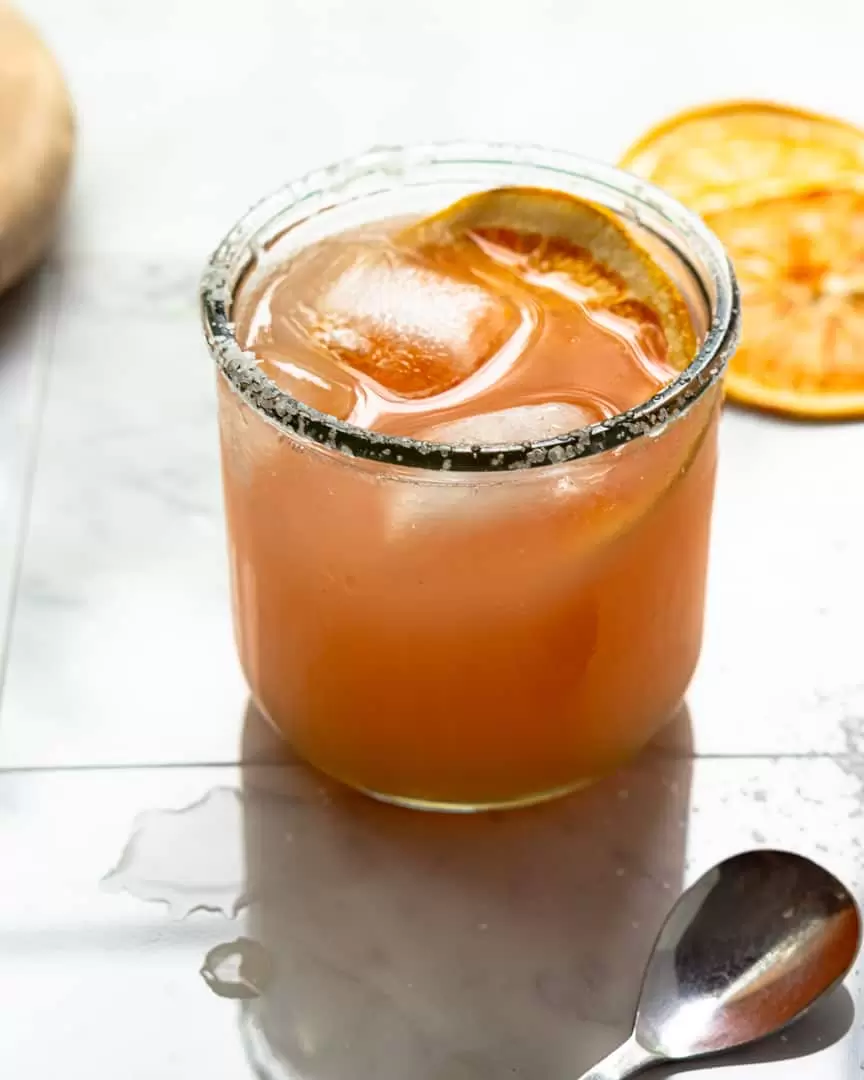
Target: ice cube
<point>461,498</point>
<point>413,327</point>
<point>522,423</point>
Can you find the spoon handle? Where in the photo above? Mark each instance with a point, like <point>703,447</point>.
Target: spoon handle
<point>627,1060</point>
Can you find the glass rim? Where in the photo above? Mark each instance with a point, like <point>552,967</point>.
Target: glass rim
<point>240,367</point>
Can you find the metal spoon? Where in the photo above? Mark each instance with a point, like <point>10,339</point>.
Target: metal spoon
<point>745,951</point>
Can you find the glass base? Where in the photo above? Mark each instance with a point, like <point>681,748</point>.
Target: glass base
<point>442,806</point>
<point>431,806</point>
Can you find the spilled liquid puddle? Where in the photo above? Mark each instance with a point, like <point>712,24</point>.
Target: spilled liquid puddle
<point>239,969</point>
<point>191,859</point>
<point>372,942</point>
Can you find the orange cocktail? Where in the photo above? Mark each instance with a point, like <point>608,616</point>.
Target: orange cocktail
<point>469,460</point>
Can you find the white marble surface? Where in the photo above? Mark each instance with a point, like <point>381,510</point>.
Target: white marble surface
<point>399,945</point>
<point>122,593</point>
<point>118,652</point>
<point>28,318</point>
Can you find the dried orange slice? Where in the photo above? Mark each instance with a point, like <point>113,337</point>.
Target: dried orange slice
<point>557,233</point>
<point>800,264</point>
<point>732,153</point>
<point>554,232</point>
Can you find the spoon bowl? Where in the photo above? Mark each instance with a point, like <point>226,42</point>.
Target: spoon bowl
<point>747,950</point>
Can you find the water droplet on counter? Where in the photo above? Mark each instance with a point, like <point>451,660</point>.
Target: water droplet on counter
<point>237,969</point>
<point>191,859</point>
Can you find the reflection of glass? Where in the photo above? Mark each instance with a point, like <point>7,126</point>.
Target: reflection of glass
<point>441,948</point>
<point>430,625</point>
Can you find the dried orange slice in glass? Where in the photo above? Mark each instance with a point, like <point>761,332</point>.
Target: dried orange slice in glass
<point>800,264</point>
<point>719,156</point>
<point>554,232</point>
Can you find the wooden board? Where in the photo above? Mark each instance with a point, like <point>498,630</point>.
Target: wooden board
<point>37,132</point>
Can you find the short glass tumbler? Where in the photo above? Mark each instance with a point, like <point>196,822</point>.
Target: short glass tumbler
<point>468,627</point>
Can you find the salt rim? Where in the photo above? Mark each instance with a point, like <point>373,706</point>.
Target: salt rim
<point>384,168</point>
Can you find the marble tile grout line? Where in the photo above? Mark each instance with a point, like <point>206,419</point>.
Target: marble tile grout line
<point>257,763</point>
<point>47,304</point>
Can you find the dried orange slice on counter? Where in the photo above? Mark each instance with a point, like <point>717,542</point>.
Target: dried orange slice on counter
<point>731,153</point>
<point>784,191</point>
<point>552,232</point>
<point>800,264</point>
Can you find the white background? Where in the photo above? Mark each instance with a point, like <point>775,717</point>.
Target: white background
<point>190,109</point>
